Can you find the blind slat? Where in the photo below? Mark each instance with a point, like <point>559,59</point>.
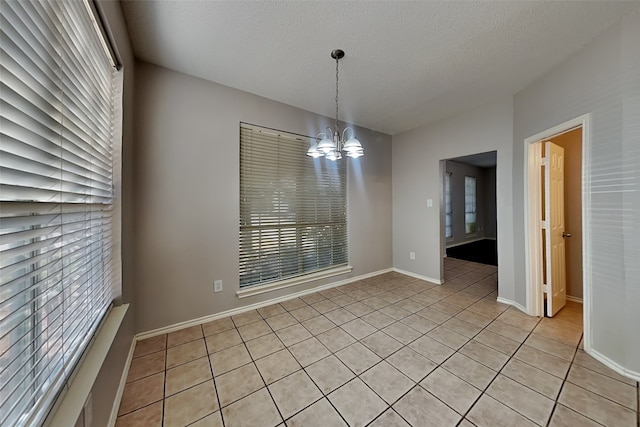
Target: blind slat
<point>292,208</point>
<point>57,129</point>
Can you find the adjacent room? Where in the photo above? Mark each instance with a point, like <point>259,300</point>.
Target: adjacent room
<point>310,213</point>
<point>469,186</point>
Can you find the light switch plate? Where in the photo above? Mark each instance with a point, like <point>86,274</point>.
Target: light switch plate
<point>429,203</point>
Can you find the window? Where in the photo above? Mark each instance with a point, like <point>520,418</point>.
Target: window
<point>448,230</point>
<point>469,204</point>
<point>58,276</point>
<point>293,217</point>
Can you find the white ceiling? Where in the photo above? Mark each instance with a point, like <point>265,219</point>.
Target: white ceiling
<point>406,63</point>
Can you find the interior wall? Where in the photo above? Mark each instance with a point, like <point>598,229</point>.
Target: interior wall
<point>489,202</point>
<point>187,189</point>
<point>602,80</point>
<point>106,385</point>
<point>458,173</point>
<point>571,142</point>
<point>416,178</point>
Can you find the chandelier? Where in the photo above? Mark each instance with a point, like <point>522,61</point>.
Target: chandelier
<point>332,144</point>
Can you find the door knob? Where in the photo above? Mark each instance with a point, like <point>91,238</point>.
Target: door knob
<point>565,235</point>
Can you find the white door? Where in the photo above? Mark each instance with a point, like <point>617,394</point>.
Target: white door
<point>556,279</point>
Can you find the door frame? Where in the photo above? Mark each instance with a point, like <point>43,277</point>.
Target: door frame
<point>533,217</point>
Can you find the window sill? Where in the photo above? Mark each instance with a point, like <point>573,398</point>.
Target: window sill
<point>261,289</point>
<point>77,391</point>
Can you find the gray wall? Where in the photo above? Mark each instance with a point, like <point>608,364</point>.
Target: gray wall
<point>187,189</point>
<point>105,387</point>
<point>490,202</point>
<point>603,80</point>
<point>186,186</point>
<point>416,178</point>
<point>458,173</point>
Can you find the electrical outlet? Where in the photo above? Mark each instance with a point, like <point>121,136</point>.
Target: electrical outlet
<point>217,285</point>
<point>412,255</point>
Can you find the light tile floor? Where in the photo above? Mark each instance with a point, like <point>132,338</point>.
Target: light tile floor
<point>385,351</point>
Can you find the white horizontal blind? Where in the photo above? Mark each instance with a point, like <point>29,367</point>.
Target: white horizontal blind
<point>56,191</point>
<point>448,213</point>
<point>470,204</point>
<point>293,216</point>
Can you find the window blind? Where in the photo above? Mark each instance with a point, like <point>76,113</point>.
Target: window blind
<point>57,276</point>
<point>293,216</point>
<point>470,204</point>
<point>448,230</point>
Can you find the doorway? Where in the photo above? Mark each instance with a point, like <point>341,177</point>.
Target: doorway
<point>468,208</point>
<point>546,236</point>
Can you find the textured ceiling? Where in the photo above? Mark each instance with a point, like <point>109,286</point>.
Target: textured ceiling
<point>406,63</point>
<point>482,160</point>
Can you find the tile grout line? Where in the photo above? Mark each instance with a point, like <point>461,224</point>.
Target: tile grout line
<point>301,323</point>
<point>302,368</point>
<point>164,374</point>
<point>564,381</point>
<point>147,376</point>
<point>483,391</point>
<point>441,324</point>
<point>417,384</point>
<point>357,317</point>
<point>331,353</point>
<point>253,360</point>
<point>438,365</point>
<point>166,348</point>
<point>595,392</point>
<point>213,377</point>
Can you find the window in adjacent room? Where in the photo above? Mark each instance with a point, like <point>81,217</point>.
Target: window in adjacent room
<point>57,136</point>
<point>293,215</point>
<point>470,204</point>
<point>448,229</point>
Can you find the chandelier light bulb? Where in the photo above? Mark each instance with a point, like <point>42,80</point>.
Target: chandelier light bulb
<point>314,152</point>
<point>332,149</point>
<point>326,145</point>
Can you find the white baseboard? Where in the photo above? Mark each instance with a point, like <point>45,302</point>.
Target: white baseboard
<point>574,299</point>
<point>245,308</point>
<point>123,380</point>
<point>513,303</point>
<point>418,276</point>
<point>635,376</point>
